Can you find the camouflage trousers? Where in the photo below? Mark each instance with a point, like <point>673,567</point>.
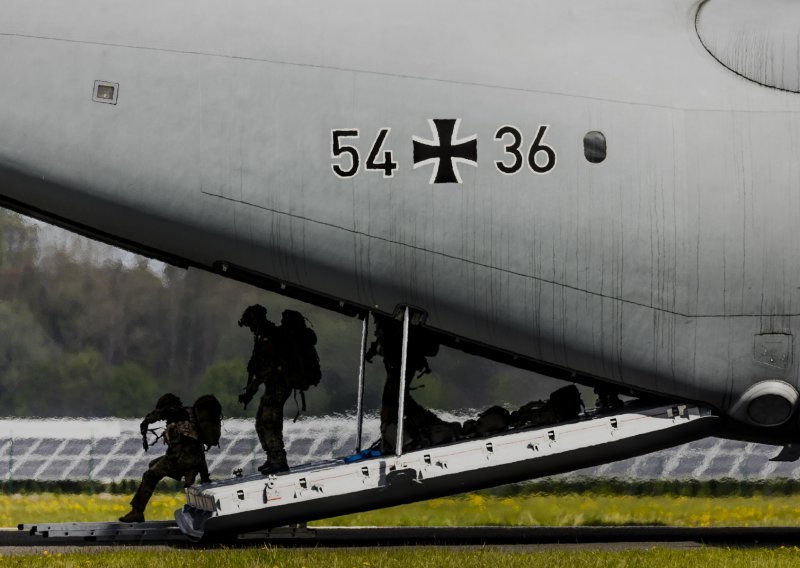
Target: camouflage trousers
<point>180,462</point>
<point>417,418</point>
<point>269,420</point>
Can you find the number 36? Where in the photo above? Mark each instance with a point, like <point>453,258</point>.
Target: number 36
<point>541,157</point>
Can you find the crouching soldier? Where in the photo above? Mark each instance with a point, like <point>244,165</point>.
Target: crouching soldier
<point>185,456</point>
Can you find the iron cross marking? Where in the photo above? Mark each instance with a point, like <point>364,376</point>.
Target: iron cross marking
<point>445,151</point>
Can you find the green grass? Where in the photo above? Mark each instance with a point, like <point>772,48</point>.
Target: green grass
<point>588,509</point>
<point>565,505</point>
<point>571,509</point>
<point>60,508</point>
<point>426,557</point>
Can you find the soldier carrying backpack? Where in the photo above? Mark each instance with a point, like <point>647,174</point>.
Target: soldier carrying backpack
<point>284,360</point>
<point>189,432</point>
<point>421,427</point>
<point>267,366</point>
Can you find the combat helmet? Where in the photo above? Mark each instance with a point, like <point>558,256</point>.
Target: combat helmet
<point>169,400</point>
<point>253,315</point>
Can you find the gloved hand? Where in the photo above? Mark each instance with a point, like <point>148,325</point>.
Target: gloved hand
<point>245,399</point>
<point>145,445</point>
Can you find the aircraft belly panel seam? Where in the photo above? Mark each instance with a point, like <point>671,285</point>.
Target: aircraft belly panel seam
<point>394,75</point>
<point>491,267</point>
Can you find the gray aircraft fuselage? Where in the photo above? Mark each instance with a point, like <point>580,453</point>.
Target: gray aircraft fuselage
<point>225,132</point>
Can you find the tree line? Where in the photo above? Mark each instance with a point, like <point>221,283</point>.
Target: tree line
<point>105,335</point>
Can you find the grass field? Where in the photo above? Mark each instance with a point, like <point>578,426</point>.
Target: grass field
<point>414,558</point>
<point>562,507</point>
<point>570,509</point>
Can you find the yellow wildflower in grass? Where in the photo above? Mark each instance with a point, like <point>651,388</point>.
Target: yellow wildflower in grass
<point>472,509</point>
<point>48,507</point>
<point>476,500</point>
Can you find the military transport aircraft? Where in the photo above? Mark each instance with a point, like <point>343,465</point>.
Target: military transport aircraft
<point>602,190</point>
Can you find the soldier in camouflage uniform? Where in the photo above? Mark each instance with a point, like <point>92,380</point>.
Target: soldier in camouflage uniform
<point>419,421</point>
<point>185,456</point>
<point>267,367</point>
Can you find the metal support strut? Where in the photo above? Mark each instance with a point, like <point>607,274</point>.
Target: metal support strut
<point>401,399</point>
<point>360,404</point>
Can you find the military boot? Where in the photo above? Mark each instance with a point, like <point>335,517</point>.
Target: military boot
<point>134,516</point>
<point>272,467</point>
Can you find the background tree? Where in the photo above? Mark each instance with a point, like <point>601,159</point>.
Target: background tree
<point>89,330</point>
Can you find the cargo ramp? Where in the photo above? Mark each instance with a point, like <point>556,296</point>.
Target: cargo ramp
<point>342,486</point>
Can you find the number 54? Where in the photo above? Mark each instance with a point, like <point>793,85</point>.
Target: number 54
<point>349,154</point>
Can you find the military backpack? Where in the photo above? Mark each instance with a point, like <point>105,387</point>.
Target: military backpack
<point>300,341</point>
<point>566,402</point>
<point>493,421</point>
<point>208,419</point>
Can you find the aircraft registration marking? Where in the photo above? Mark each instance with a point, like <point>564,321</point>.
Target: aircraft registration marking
<point>536,149</point>
<point>445,151</point>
